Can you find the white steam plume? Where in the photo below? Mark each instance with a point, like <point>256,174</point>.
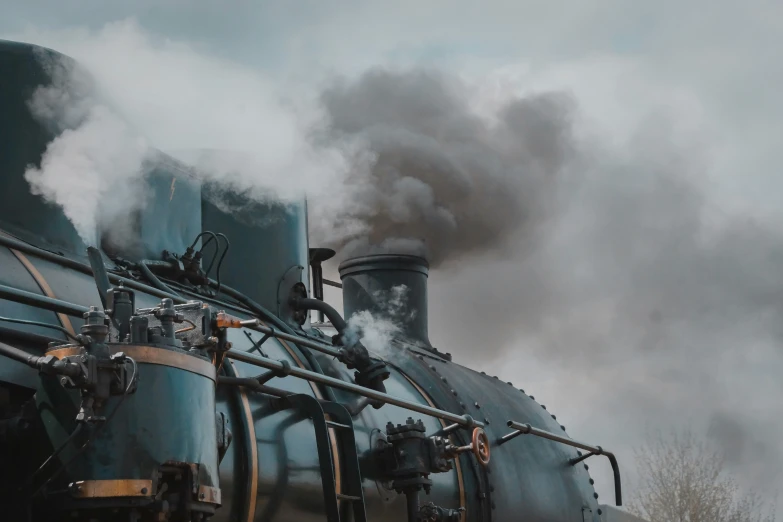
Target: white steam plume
<point>92,168</point>
<point>180,100</point>
<point>377,331</point>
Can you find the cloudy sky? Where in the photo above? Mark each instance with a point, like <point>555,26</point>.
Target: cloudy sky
<point>650,291</point>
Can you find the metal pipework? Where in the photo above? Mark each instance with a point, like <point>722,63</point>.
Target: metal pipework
<point>45,364</point>
<point>83,268</point>
<point>41,301</point>
<point>527,429</point>
<point>270,364</point>
<point>226,321</point>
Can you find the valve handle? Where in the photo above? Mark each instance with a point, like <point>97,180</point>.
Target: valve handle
<point>480,446</point>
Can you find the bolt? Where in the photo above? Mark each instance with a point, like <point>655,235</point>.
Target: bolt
<point>143,491</point>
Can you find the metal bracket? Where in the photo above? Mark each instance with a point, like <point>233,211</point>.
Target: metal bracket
<point>291,282</point>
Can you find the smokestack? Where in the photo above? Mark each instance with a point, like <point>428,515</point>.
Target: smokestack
<point>389,286</point>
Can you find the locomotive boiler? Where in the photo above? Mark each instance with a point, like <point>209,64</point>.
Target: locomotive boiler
<point>194,372</point>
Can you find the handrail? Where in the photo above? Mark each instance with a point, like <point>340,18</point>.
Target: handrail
<point>286,369</point>
<point>527,429</point>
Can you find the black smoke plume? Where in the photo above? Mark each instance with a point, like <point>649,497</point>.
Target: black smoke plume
<point>431,177</point>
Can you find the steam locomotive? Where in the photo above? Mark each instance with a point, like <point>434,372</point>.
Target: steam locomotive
<point>138,385</point>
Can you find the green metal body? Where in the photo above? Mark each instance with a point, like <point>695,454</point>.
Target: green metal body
<point>268,243</point>
<point>23,141</point>
<point>170,418</point>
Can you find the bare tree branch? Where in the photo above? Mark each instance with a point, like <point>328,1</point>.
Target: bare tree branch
<point>683,479</point>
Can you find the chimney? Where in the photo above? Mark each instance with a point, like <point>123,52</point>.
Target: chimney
<point>367,285</point>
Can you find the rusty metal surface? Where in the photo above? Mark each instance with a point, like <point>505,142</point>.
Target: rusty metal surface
<point>111,488</point>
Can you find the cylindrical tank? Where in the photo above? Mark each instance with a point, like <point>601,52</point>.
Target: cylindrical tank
<point>393,287</point>
<point>167,426</point>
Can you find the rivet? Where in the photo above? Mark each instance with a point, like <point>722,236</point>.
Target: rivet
<point>454,392</point>
<point>595,495</point>
<point>543,406</point>
<point>420,357</point>
<point>554,416</point>
<point>143,491</point>
<point>486,421</point>
<point>587,467</point>
<point>600,512</point>
<point>562,427</point>
<point>477,405</point>
<point>592,482</point>
<point>509,382</point>
<point>201,496</point>
<point>523,391</point>
<point>444,379</point>
<point>579,453</point>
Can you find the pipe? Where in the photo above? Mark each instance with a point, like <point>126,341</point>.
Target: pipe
<point>40,363</point>
<point>412,501</point>
<point>83,268</point>
<point>315,345</point>
<point>527,429</point>
<point>41,301</point>
<point>152,278</point>
<point>27,337</point>
<point>271,364</point>
<point>306,303</point>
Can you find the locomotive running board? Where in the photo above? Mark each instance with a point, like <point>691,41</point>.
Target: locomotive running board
<point>343,423</point>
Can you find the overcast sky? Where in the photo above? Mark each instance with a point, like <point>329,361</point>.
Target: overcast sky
<point>710,71</point>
